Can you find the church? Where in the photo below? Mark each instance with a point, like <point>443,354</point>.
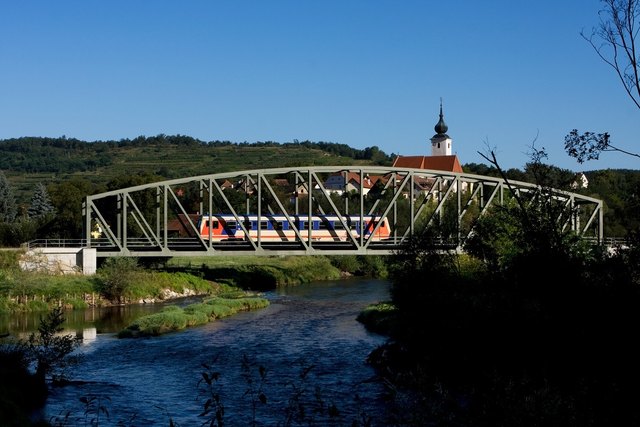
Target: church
<point>440,158</point>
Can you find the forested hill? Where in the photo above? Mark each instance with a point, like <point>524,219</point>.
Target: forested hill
<point>27,161</point>
<point>69,155</point>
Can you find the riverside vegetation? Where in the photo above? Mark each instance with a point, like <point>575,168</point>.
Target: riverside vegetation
<point>531,326</point>
<point>123,281</point>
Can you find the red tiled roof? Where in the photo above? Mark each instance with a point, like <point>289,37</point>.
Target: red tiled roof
<point>355,177</point>
<point>181,225</point>
<point>441,163</point>
<point>226,184</point>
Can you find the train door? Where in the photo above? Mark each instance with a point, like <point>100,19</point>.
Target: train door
<point>210,225</point>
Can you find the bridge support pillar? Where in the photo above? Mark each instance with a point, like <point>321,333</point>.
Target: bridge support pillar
<point>88,261</point>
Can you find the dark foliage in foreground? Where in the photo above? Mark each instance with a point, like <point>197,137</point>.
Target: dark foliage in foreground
<point>23,392</point>
<point>541,334</point>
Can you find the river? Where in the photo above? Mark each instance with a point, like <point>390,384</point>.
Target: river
<point>308,341</point>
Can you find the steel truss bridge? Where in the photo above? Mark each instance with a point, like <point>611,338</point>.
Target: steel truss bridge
<point>161,219</point>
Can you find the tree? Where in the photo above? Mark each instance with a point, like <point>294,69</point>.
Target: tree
<point>614,40</point>
<point>8,206</point>
<point>67,198</point>
<point>50,349</point>
<point>40,205</point>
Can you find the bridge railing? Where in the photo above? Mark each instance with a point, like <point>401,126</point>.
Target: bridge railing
<point>55,243</point>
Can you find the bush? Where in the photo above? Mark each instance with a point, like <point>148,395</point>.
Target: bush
<point>116,276</point>
<point>380,318</point>
<point>9,259</point>
<point>348,263</point>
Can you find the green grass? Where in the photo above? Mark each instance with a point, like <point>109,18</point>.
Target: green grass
<point>29,291</point>
<point>380,317</point>
<point>174,318</point>
<point>260,272</point>
<point>152,284</point>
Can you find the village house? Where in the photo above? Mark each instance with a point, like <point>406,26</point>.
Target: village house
<point>341,182</point>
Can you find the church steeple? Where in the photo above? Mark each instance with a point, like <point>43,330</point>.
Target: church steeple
<point>441,142</point>
<point>441,127</point>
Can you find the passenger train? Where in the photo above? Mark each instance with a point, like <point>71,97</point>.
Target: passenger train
<point>276,228</point>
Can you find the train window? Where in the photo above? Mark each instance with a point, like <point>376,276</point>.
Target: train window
<point>214,224</point>
<point>276,225</point>
<point>232,225</point>
<point>264,225</point>
<point>247,224</point>
<point>323,225</point>
<point>304,225</point>
<point>337,225</point>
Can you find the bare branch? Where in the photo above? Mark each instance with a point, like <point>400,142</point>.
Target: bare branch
<point>493,160</point>
<point>614,40</point>
<point>618,31</point>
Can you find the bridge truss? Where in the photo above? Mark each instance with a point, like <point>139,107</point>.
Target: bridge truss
<point>162,219</point>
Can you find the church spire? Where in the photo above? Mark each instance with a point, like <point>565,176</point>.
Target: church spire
<point>441,142</point>
<point>441,127</point>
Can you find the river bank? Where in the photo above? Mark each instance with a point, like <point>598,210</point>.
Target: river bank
<point>122,281</point>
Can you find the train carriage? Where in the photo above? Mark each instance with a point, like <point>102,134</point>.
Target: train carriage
<point>277,228</point>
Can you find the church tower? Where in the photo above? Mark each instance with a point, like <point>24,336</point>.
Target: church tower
<point>441,142</point>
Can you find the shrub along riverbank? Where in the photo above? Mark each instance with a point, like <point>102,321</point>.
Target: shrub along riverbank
<point>122,281</point>
<point>265,273</point>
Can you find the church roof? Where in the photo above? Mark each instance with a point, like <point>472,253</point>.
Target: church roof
<point>441,127</point>
<point>441,163</point>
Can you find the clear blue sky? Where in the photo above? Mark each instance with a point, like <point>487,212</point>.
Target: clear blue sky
<point>356,72</point>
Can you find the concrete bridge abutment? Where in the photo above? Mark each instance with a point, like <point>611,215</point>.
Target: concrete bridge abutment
<point>60,260</point>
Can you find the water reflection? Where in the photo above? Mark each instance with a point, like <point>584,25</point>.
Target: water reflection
<point>102,320</point>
